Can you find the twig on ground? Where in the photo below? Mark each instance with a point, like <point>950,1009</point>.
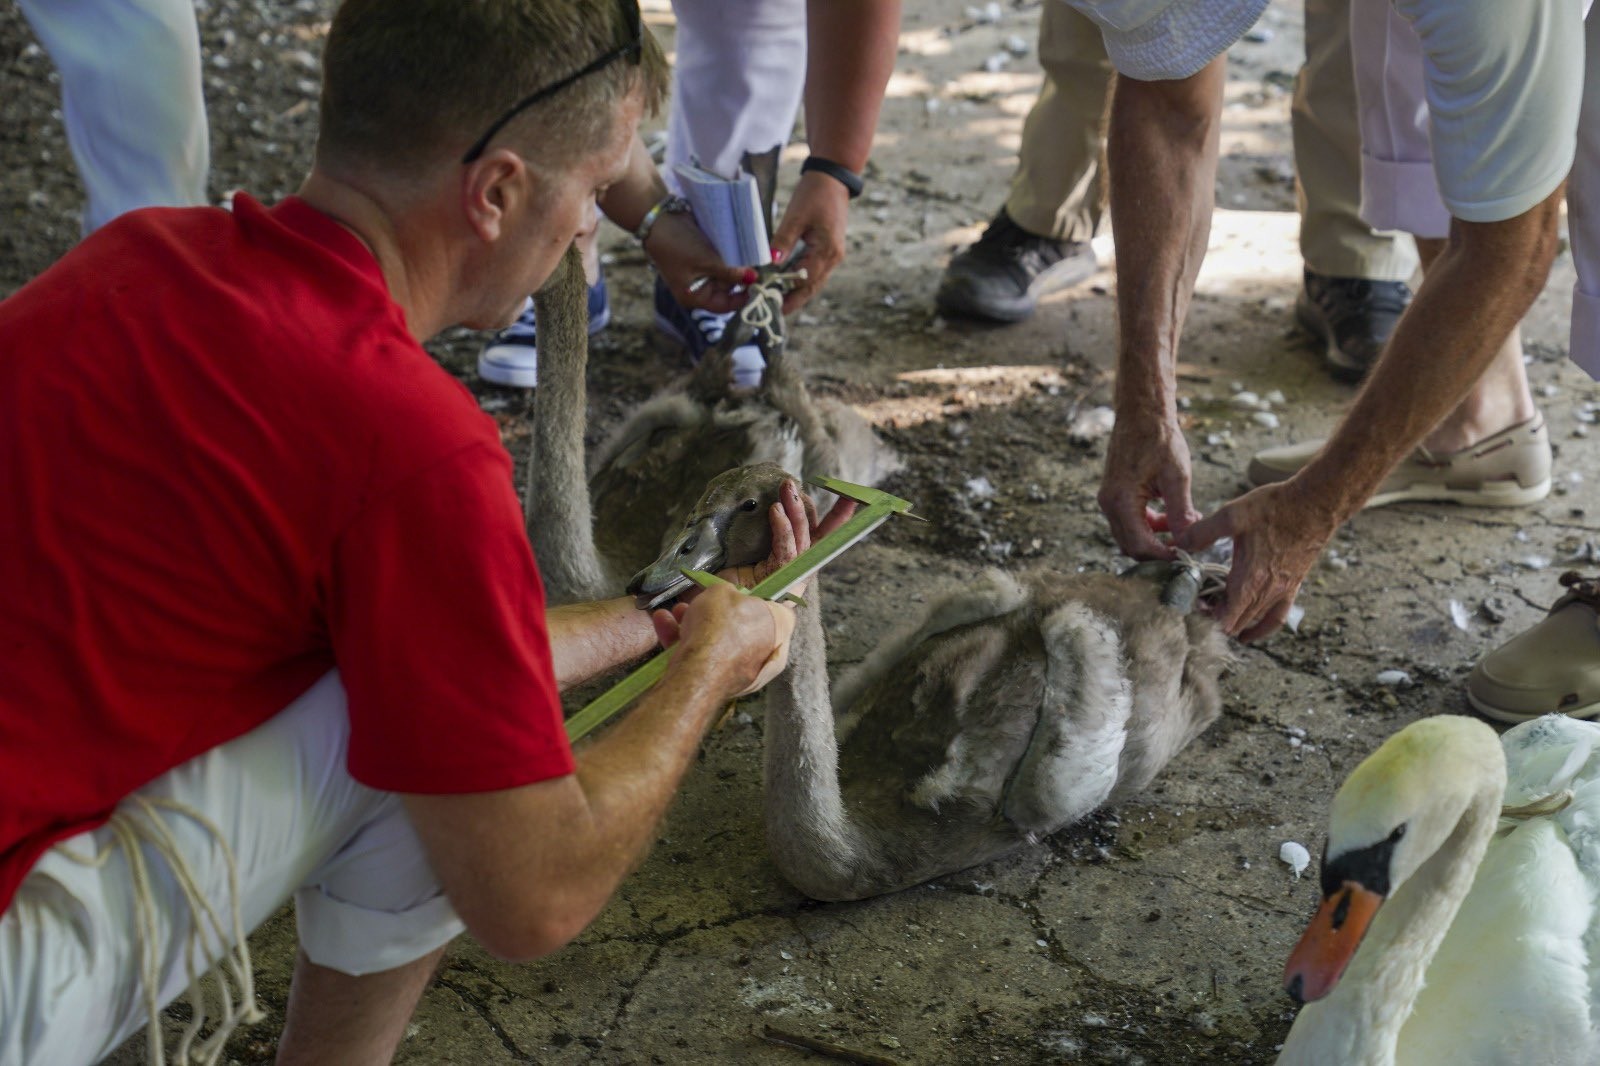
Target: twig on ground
<point>772,1034</point>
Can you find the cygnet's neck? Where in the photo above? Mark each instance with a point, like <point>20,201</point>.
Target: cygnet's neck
<point>810,833</point>
<point>560,521</point>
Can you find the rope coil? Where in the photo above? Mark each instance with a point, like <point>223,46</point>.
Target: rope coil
<point>130,832</point>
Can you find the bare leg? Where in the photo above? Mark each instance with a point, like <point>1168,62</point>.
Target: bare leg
<point>1498,401</point>
<point>341,1020</point>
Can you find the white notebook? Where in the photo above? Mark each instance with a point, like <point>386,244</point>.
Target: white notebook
<point>728,211</point>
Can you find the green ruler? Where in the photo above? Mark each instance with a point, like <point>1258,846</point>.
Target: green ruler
<point>876,507</point>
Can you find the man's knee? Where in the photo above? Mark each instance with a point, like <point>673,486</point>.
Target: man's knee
<point>376,904</point>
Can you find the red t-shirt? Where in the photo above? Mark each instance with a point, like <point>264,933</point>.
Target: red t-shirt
<point>225,468</point>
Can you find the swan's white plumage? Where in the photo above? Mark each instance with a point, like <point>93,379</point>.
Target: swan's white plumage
<point>1516,979</point>
<point>1509,984</point>
<point>1543,757</point>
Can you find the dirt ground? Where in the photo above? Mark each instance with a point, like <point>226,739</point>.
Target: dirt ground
<point>1155,933</point>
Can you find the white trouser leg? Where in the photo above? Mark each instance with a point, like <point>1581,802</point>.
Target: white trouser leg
<point>1583,212</point>
<point>1398,187</point>
<point>736,82</point>
<point>131,99</point>
<point>72,943</point>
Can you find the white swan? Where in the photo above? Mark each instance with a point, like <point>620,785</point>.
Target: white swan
<point>1470,938</point>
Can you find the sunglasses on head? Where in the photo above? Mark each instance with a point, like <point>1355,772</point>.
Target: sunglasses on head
<point>632,51</point>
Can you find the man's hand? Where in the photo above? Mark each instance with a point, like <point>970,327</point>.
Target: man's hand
<point>682,255</point>
<point>1278,534</point>
<point>795,528</point>
<point>1146,463</point>
<point>816,214</point>
<point>748,637</point>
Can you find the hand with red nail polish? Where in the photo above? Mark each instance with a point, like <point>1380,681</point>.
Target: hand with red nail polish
<point>692,269</point>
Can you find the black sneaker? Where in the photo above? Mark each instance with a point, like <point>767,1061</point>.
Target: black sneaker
<point>1002,276</point>
<point>1353,317</point>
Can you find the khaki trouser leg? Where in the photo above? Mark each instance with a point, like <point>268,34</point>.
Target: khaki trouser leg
<point>1057,189</point>
<point>1327,152</point>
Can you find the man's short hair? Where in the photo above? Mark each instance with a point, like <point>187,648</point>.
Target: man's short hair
<point>406,83</point>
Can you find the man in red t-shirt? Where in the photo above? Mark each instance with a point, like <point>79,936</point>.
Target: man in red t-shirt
<point>269,620</point>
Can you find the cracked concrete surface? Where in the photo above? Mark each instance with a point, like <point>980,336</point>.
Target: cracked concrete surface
<point>1154,933</point>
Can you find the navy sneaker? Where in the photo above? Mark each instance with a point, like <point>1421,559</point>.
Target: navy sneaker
<point>698,330</point>
<point>512,357</point>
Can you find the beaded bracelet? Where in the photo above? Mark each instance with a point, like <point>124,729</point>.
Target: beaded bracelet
<point>669,204</point>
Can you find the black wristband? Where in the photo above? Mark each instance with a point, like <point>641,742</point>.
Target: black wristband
<point>841,174</point>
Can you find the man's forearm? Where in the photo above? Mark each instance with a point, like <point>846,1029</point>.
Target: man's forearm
<point>632,771</point>
<point>587,639</point>
<point>1162,158</point>
<point>627,201</point>
<point>527,868</point>
<point>849,57</point>
<point>1474,294</point>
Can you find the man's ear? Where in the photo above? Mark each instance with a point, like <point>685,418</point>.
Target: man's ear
<point>491,187</point>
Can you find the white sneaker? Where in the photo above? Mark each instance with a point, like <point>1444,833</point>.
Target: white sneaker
<point>512,357</point>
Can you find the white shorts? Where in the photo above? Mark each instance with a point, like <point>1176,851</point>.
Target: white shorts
<point>297,825</point>
<point>1471,109</point>
<point>1468,108</point>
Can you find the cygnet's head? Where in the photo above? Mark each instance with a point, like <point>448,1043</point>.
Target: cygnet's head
<point>729,526</point>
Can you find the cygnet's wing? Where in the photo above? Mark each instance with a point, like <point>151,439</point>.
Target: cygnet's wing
<point>947,727</point>
<point>863,457</point>
<point>1070,765</point>
<point>1172,662</point>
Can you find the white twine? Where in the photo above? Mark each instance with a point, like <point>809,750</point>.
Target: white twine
<point>130,832</point>
<point>763,311</point>
<point>1213,576</point>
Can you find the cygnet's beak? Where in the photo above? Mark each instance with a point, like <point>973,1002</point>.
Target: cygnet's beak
<point>701,546</point>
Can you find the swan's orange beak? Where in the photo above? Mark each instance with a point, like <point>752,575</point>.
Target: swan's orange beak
<point>1330,941</point>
